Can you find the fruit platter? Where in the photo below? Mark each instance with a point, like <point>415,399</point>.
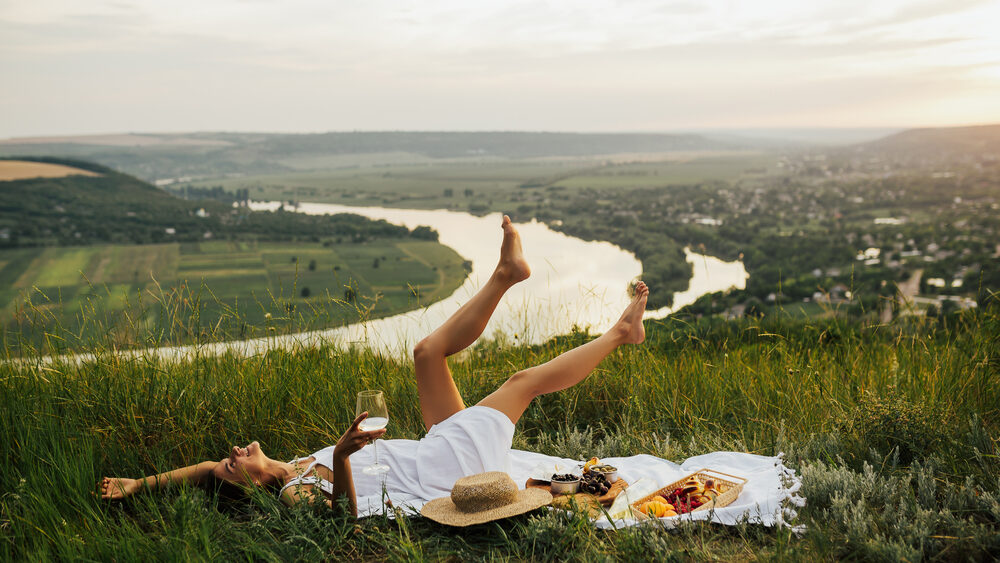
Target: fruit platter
<point>596,486</point>
<point>704,489</point>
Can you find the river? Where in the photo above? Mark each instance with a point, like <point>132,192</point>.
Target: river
<point>574,283</point>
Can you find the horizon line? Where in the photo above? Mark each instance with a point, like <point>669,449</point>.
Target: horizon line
<point>678,131</point>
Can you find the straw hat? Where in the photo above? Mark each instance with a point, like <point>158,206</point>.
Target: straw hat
<point>482,498</point>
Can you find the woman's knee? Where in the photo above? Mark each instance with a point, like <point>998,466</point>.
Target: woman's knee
<point>524,383</point>
<point>426,349</point>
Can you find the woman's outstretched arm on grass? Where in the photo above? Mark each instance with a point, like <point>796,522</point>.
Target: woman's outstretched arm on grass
<point>120,487</point>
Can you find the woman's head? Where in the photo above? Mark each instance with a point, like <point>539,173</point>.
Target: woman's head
<point>245,467</point>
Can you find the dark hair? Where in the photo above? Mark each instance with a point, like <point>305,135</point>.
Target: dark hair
<point>231,492</point>
<point>227,490</point>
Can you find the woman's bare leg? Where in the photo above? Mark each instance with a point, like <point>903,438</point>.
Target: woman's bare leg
<point>569,368</point>
<point>439,397</point>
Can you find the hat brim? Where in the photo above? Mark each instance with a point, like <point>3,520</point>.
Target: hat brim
<point>444,511</point>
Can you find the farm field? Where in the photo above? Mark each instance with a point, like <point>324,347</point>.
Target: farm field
<point>479,185</point>
<point>678,171</point>
<point>230,288</point>
<point>22,169</point>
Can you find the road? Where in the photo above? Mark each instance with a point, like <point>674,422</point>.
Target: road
<point>906,292</point>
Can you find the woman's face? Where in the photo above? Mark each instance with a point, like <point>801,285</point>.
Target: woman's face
<point>243,466</point>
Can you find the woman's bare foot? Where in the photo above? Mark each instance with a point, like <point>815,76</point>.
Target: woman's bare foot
<point>512,267</point>
<point>117,487</point>
<point>629,326</point>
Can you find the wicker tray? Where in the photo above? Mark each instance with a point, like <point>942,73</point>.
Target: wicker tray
<point>734,483</point>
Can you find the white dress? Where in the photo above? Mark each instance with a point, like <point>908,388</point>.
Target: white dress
<point>473,440</point>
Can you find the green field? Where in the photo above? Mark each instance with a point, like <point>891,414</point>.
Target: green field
<point>894,429</point>
<point>234,286</point>
<point>677,171</point>
<point>398,181</point>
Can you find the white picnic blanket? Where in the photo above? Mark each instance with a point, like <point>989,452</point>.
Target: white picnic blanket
<point>769,497</point>
<point>763,500</point>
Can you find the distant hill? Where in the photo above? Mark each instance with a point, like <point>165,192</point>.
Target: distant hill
<point>502,144</point>
<point>77,209</point>
<point>155,157</point>
<point>940,143</point>
<point>111,207</point>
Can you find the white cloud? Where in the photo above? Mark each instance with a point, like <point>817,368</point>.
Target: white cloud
<point>444,64</point>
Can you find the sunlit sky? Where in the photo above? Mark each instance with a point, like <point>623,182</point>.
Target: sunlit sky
<point>78,67</point>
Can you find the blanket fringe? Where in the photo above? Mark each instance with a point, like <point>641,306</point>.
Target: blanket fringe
<point>789,496</point>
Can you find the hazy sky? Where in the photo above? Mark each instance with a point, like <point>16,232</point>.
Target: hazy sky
<point>73,67</point>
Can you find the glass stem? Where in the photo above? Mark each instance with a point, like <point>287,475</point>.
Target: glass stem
<point>376,453</point>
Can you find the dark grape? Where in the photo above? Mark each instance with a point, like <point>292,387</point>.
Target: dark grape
<point>594,483</point>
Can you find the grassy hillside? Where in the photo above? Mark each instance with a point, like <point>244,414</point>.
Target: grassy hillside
<point>894,429</point>
<point>106,207</point>
<point>117,208</point>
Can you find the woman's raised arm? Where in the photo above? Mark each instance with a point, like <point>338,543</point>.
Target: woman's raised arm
<point>343,481</point>
<point>121,487</point>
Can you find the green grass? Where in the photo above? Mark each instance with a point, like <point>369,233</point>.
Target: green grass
<point>895,430</point>
<point>228,288</point>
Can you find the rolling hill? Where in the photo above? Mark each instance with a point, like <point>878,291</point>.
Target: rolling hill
<point>154,157</point>
<point>112,207</point>
<point>940,143</point>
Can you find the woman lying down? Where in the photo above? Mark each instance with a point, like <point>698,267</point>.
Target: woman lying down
<point>460,442</point>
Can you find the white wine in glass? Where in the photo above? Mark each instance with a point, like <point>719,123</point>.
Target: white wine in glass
<point>378,417</point>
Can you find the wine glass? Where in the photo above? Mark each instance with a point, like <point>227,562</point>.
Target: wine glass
<point>378,417</point>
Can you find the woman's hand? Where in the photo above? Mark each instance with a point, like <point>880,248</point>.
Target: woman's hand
<point>355,438</point>
<point>118,487</point>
